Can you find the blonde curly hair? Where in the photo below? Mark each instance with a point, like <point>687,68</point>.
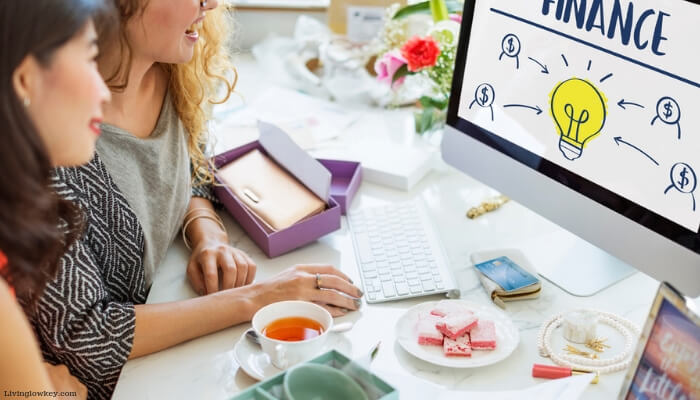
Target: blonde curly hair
<point>195,86</point>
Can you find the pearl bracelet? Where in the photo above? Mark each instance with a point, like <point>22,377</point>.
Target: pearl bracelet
<point>620,362</point>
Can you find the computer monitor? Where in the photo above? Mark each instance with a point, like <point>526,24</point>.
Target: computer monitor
<point>588,113</point>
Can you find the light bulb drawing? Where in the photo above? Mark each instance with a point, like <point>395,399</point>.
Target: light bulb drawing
<point>579,111</point>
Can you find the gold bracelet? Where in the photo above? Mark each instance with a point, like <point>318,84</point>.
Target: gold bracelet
<point>209,210</point>
<point>214,218</point>
<point>206,211</point>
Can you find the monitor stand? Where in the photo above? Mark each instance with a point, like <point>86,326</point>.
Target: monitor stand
<point>576,266</point>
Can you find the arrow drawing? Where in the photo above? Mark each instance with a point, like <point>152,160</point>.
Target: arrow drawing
<point>622,103</point>
<point>544,67</point>
<point>535,108</point>
<point>619,140</point>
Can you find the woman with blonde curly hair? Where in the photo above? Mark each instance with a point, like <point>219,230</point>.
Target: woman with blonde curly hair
<point>149,178</point>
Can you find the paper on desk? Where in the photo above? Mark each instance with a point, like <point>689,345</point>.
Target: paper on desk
<point>307,119</point>
<point>570,388</point>
<point>298,162</point>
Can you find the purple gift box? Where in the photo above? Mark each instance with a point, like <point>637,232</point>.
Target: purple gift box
<point>345,181</point>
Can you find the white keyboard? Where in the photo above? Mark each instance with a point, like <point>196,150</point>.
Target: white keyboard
<point>398,253</point>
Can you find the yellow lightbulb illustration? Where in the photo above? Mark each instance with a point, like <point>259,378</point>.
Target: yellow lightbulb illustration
<point>579,109</point>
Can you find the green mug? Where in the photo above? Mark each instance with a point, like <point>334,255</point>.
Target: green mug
<point>320,382</point>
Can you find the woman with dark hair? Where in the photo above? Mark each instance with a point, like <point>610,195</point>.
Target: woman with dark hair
<point>51,98</point>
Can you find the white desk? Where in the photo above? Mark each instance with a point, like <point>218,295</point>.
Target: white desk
<point>205,368</point>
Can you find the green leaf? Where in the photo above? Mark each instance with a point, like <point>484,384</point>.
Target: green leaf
<point>400,73</point>
<point>425,121</point>
<point>429,102</point>
<point>453,6</point>
<point>439,10</point>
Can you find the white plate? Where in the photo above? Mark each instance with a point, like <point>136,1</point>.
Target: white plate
<point>257,364</point>
<point>507,337</point>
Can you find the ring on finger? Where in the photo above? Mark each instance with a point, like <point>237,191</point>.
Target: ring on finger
<point>318,281</point>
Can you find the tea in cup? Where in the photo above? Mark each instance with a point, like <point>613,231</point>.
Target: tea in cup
<point>292,331</point>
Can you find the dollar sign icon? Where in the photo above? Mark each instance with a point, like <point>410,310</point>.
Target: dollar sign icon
<point>669,110</point>
<point>684,179</point>
<point>510,45</point>
<point>484,96</point>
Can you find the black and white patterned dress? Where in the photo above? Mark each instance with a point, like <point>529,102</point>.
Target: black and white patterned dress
<point>85,319</point>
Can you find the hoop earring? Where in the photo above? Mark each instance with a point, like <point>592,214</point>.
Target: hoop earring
<point>27,102</point>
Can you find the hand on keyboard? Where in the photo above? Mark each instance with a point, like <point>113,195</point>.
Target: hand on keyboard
<point>337,294</point>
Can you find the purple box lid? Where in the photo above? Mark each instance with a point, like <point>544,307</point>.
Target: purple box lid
<point>345,181</point>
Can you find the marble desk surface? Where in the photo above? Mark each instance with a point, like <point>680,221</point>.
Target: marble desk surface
<point>205,368</point>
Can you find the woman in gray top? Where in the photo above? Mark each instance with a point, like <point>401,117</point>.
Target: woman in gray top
<point>149,172</point>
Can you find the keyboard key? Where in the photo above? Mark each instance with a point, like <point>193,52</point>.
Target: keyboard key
<point>439,285</point>
<point>428,286</point>
<point>364,248</point>
<point>372,296</point>
<point>368,267</point>
<point>385,277</point>
<point>370,274</point>
<point>415,289</point>
<point>413,282</point>
<point>388,289</point>
<point>402,289</point>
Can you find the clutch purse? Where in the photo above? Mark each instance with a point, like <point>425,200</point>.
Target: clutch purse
<point>499,295</point>
<point>269,192</point>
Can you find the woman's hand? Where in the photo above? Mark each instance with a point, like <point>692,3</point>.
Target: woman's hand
<point>336,293</point>
<point>63,381</point>
<point>215,265</point>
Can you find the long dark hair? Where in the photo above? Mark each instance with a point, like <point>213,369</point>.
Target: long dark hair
<point>36,225</point>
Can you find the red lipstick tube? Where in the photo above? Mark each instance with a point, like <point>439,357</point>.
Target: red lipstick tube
<point>555,371</point>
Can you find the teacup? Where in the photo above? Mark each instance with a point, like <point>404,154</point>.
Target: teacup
<point>282,353</point>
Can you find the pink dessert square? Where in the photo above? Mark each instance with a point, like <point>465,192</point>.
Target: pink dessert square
<point>459,347</point>
<point>454,326</point>
<point>483,336</point>
<point>427,333</point>
<point>450,307</point>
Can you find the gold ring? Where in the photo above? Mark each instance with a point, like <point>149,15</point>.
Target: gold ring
<point>318,281</point>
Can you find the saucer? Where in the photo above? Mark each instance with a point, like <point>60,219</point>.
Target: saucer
<point>257,364</point>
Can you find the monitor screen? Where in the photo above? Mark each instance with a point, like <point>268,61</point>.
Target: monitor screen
<point>602,96</point>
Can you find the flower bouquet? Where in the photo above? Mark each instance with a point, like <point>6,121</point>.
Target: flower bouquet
<point>419,42</point>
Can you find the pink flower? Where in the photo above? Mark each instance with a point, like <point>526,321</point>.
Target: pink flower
<point>420,52</point>
<point>387,65</point>
<point>456,18</point>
